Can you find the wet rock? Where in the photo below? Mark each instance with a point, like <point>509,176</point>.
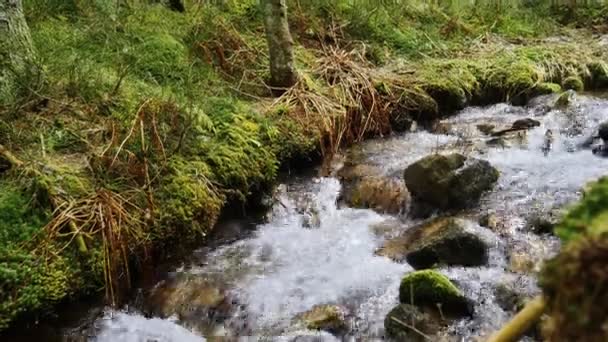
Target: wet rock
<point>439,127</point>
<point>508,297</point>
<point>526,123</point>
<point>431,289</point>
<point>573,83</point>
<point>521,262</point>
<point>331,318</point>
<point>489,221</point>
<point>401,122</point>
<point>542,223</point>
<point>196,301</point>
<point>306,206</point>
<point>354,172</point>
<point>518,125</point>
<point>447,182</point>
<point>565,99</point>
<point>486,129</point>
<point>385,195</point>
<point>440,241</point>
<point>407,322</point>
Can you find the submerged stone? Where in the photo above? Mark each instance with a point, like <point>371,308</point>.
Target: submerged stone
<point>486,129</point>
<point>431,289</point>
<point>385,195</point>
<point>442,241</point>
<point>330,318</point>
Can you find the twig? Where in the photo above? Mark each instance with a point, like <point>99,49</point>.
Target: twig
<point>425,336</point>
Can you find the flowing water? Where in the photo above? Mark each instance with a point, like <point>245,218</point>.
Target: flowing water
<point>284,268</point>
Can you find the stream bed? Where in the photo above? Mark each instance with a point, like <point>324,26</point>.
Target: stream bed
<point>260,284</point>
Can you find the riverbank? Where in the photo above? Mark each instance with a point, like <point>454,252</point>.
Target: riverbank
<point>149,121</point>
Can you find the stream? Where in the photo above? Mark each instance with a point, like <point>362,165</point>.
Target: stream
<point>258,284</point>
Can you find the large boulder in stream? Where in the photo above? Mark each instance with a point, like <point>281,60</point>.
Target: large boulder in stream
<point>448,182</point>
<point>443,241</point>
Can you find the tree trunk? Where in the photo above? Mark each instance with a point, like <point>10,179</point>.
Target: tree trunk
<point>280,44</point>
<point>16,52</point>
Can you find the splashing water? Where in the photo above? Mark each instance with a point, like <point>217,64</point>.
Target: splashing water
<point>284,269</point>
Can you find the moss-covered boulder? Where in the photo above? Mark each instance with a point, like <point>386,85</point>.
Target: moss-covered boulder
<point>446,182</point>
<point>440,241</point>
<point>331,318</point>
<point>407,322</point>
<point>573,83</point>
<point>431,289</point>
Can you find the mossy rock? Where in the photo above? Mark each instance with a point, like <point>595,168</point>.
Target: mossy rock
<point>445,182</point>
<point>442,241</point>
<point>330,318</point>
<point>573,83</point>
<point>449,97</point>
<point>400,320</point>
<point>429,288</point>
<point>564,99</point>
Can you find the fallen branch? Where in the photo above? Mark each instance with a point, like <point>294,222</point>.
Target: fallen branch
<point>10,157</point>
<point>519,324</point>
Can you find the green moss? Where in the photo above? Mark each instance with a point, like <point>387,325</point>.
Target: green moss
<point>429,288</point>
<point>573,83</point>
<point>588,216</point>
<point>576,297</point>
<point>188,200</point>
<point>547,88</point>
<point>576,294</point>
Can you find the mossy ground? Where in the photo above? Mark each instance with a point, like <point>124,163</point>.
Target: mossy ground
<point>156,118</point>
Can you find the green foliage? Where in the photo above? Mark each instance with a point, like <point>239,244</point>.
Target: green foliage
<point>573,83</point>
<point>28,282</point>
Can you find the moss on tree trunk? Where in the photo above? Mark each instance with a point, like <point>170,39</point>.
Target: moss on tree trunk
<point>280,44</point>
<point>16,52</point>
